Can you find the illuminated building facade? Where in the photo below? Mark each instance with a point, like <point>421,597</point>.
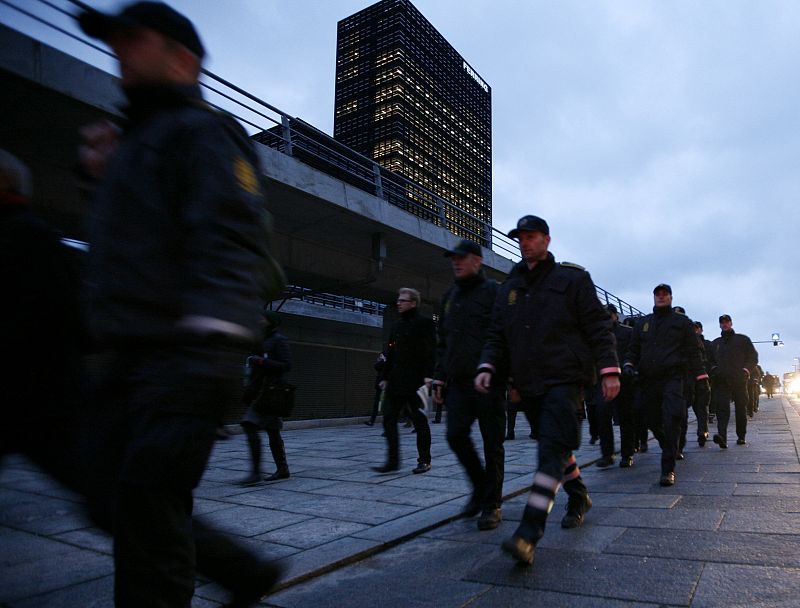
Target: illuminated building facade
<point>407,99</point>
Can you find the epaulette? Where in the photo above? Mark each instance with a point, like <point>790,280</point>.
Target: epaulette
<point>572,265</point>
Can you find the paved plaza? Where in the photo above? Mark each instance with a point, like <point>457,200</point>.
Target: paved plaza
<point>727,534</point>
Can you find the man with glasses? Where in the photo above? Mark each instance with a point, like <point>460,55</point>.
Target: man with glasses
<point>409,365</point>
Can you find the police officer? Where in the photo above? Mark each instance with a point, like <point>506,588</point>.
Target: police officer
<point>178,272</point>
<point>464,319</point>
<point>698,395</point>
<point>663,350</point>
<point>730,359</point>
<point>622,405</point>
<point>550,333</point>
<point>410,360</point>
<point>270,363</point>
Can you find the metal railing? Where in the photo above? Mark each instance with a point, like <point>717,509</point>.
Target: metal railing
<point>330,300</point>
<point>294,137</point>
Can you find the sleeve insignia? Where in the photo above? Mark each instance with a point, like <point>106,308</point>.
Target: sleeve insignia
<point>512,297</point>
<point>646,327</point>
<point>246,176</point>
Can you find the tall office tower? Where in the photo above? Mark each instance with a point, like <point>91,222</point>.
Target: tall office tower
<point>407,99</point>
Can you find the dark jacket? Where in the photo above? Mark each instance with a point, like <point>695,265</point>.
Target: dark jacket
<point>464,319</point>
<point>178,224</point>
<point>549,328</point>
<point>730,355</point>
<point>663,345</point>
<point>276,363</point>
<point>410,356</point>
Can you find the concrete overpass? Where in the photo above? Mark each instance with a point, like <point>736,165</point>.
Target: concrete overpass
<point>329,235</point>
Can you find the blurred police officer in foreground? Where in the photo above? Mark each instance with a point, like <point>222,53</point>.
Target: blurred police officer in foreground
<point>464,319</point>
<point>550,333</point>
<point>730,359</point>
<point>663,350</point>
<point>178,270</point>
<point>622,404</point>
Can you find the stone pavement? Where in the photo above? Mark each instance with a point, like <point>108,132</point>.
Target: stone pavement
<point>727,534</point>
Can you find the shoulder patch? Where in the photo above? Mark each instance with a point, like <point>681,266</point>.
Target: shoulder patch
<point>572,265</point>
<point>512,297</point>
<point>246,176</point>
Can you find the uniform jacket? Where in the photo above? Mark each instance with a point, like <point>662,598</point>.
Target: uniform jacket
<point>730,354</point>
<point>464,319</point>
<point>664,344</point>
<point>549,328</point>
<point>410,356</point>
<point>178,224</point>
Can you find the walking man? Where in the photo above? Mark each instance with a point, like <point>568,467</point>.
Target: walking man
<point>409,365</point>
<point>549,333</point>
<point>730,360</point>
<point>663,350</point>
<point>463,324</point>
<point>178,272</point>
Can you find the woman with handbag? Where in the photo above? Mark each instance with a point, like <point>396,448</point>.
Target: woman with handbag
<point>266,395</point>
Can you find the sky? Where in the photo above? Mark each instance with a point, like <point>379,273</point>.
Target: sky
<point>660,140</point>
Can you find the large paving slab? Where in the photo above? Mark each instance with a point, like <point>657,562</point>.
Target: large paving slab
<point>727,534</point>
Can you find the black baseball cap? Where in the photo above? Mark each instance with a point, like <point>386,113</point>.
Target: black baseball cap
<point>153,15</point>
<point>529,223</point>
<point>464,247</point>
<point>680,309</point>
<point>611,308</point>
<point>698,324</point>
<point>725,318</point>
<point>662,286</point>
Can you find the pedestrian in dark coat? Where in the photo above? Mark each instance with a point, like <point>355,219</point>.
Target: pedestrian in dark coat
<point>464,319</point>
<point>409,366</point>
<point>730,359</point>
<point>550,333</point>
<point>664,349</point>
<point>179,269</point>
<point>270,363</point>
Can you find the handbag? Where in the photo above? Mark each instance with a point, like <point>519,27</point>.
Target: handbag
<point>275,400</point>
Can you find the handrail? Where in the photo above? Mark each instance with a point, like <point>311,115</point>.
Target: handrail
<point>296,138</point>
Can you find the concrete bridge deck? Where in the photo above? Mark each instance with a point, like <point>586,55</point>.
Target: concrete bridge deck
<point>727,534</point>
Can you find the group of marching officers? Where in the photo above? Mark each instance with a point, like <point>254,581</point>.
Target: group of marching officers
<point>543,343</point>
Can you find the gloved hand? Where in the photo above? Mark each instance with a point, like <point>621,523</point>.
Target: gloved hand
<point>629,371</point>
<point>702,385</point>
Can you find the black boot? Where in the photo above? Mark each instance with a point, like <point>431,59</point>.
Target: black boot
<point>522,544</point>
<point>278,450</point>
<point>578,503</point>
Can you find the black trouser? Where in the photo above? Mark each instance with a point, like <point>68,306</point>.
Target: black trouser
<point>149,444</point>
<point>276,447</point>
<point>665,405</point>
<point>723,393</point>
<point>464,406</point>
<point>591,417</point>
<point>640,416</point>
<point>623,405</point>
<point>556,418</point>
<point>376,402</point>
<point>697,398</point>
<point>411,405</point>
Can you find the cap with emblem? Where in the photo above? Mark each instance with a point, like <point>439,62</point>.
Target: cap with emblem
<point>680,309</point>
<point>663,286</point>
<point>725,318</point>
<point>529,223</point>
<point>464,247</point>
<point>152,15</point>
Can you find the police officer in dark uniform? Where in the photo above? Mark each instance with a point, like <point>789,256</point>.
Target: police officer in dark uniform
<point>178,272</point>
<point>549,333</point>
<point>622,405</point>
<point>410,360</point>
<point>270,363</point>
<point>663,350</point>
<point>464,319</point>
<point>730,359</point>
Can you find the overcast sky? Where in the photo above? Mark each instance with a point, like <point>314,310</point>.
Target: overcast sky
<point>658,139</point>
